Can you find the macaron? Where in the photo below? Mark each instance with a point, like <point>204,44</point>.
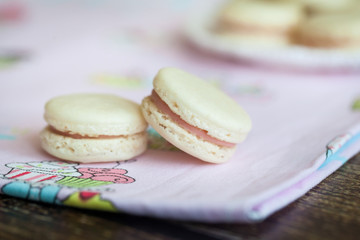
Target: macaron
<point>195,116</point>
<point>331,31</point>
<point>93,128</point>
<point>259,22</point>
<point>326,6</point>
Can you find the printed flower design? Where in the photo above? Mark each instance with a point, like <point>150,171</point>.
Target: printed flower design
<point>127,81</point>
<point>356,105</point>
<point>106,175</point>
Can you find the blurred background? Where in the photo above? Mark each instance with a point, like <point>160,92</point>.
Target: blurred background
<point>245,47</point>
<point>133,31</point>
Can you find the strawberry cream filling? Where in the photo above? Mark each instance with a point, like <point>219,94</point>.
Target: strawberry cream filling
<point>78,136</point>
<point>164,108</point>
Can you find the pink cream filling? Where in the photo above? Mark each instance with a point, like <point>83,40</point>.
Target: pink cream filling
<point>163,107</point>
<point>78,136</point>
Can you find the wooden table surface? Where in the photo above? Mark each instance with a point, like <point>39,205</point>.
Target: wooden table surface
<point>331,210</point>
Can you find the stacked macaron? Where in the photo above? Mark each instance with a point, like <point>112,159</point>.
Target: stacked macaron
<point>190,113</point>
<point>326,6</point>
<point>280,23</point>
<point>259,22</point>
<point>331,31</point>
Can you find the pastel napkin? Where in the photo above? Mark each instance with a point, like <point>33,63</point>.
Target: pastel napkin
<point>304,128</point>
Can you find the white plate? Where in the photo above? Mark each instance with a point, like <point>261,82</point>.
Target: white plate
<point>199,33</point>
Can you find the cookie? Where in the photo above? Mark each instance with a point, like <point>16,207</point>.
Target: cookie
<point>195,116</point>
<point>336,31</point>
<point>259,22</point>
<point>93,128</point>
<point>326,6</point>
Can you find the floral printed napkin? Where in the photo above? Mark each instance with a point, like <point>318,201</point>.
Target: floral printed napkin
<point>304,128</point>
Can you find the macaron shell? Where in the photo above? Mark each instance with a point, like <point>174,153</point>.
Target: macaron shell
<point>326,6</point>
<point>339,25</point>
<point>255,40</point>
<point>94,114</point>
<point>181,138</point>
<point>274,14</point>
<point>202,105</point>
<point>327,30</point>
<point>90,150</point>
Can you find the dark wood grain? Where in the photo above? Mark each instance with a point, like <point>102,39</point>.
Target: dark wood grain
<point>331,210</point>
